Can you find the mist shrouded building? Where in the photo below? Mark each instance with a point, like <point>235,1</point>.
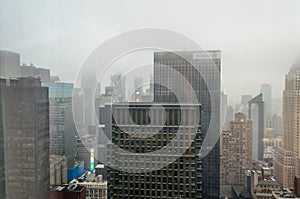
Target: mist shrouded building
<point>146,176</point>
<point>32,71</point>
<point>24,162</point>
<point>62,127</point>
<point>244,104</point>
<point>287,158</point>
<point>9,64</point>
<point>138,85</point>
<point>266,91</point>
<point>186,63</point>
<point>256,114</point>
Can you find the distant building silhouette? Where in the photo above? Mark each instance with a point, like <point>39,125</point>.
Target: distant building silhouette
<point>244,104</point>
<point>33,71</point>
<point>9,64</point>
<point>266,91</point>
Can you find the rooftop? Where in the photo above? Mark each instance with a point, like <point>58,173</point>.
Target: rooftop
<point>268,183</point>
<point>284,194</point>
<point>68,188</point>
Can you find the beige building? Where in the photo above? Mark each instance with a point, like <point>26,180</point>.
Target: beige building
<point>284,167</point>
<point>236,151</point>
<point>287,158</point>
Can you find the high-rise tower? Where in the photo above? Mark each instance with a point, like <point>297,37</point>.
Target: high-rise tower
<point>256,114</point>
<point>188,64</point>
<point>62,127</point>
<point>266,90</point>
<point>236,150</point>
<point>25,139</point>
<point>9,64</point>
<point>287,159</point>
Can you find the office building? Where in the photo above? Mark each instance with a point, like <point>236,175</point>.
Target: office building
<point>284,167</point>
<point>236,149</point>
<point>84,98</point>
<point>256,114</point>
<point>25,139</point>
<point>62,127</point>
<point>58,170</point>
<point>83,154</point>
<point>188,64</point>
<point>105,123</point>
<point>266,90</point>
<point>9,64</point>
<point>33,71</point>
<point>287,158</point>
<point>177,173</point>
<point>244,104</point>
<point>118,83</point>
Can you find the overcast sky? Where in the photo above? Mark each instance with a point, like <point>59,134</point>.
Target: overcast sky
<point>259,39</point>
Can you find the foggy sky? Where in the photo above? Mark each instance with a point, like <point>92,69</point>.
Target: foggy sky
<point>259,39</point>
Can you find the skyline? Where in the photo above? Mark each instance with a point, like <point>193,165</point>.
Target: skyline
<point>266,41</point>
<point>150,99</point>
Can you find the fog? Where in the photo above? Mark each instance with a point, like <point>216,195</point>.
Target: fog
<point>259,39</point>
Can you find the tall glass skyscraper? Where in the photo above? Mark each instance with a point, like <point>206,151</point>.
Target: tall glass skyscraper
<point>187,63</point>
<point>62,127</point>
<point>24,139</point>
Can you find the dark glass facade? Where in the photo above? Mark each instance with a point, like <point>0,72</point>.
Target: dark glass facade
<point>181,178</point>
<point>62,127</point>
<point>186,63</point>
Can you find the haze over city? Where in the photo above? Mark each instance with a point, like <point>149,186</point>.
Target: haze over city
<point>137,99</point>
<point>259,39</point>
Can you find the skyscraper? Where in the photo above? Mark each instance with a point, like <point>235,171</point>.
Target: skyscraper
<point>287,161</point>
<point>266,91</point>
<point>62,127</point>
<point>138,85</point>
<point>186,63</point>
<point>9,64</point>
<point>33,71</point>
<point>146,175</point>
<point>244,104</point>
<point>236,151</point>
<point>256,114</point>
<point>25,138</point>
<point>118,82</point>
